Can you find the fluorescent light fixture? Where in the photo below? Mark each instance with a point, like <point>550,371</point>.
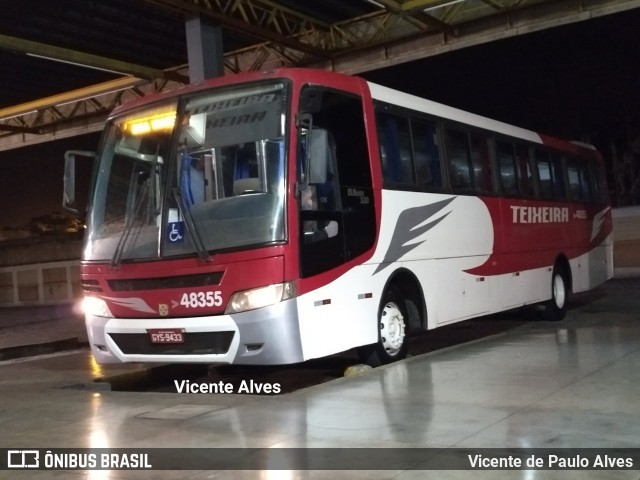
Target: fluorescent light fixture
<point>442,5</point>
<point>76,64</point>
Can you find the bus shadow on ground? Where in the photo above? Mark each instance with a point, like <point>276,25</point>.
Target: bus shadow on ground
<point>291,378</point>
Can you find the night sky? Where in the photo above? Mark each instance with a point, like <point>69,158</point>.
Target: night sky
<point>31,179</point>
<point>573,81</point>
<point>578,81</point>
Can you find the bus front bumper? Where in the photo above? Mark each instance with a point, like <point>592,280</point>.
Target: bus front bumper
<point>265,336</point>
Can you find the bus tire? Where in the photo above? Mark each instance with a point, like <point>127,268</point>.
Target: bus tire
<point>392,342</point>
<point>556,307</point>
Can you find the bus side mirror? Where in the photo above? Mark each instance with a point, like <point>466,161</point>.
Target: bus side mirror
<point>315,150</point>
<point>69,190</point>
<point>304,124</point>
<point>318,155</point>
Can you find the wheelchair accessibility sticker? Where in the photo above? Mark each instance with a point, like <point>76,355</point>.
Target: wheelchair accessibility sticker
<point>175,232</point>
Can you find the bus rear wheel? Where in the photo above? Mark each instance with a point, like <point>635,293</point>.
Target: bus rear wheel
<point>556,308</point>
<point>392,331</point>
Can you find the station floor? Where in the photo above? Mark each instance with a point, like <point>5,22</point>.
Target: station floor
<point>570,384</point>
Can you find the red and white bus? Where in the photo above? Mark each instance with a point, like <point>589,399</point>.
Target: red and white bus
<point>272,218</point>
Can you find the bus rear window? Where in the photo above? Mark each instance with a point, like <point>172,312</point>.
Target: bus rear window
<point>579,180</point>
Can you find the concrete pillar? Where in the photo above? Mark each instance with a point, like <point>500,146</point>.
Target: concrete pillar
<point>204,49</point>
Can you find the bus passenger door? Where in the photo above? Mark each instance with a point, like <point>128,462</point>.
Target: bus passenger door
<point>336,208</point>
<point>337,222</point>
<point>321,242</point>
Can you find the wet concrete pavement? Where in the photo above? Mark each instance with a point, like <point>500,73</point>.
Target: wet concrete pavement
<point>539,385</point>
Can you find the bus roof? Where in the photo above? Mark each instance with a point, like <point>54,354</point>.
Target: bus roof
<point>412,102</point>
<point>378,92</point>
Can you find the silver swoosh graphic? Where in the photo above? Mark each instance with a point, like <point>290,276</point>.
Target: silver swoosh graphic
<point>407,230</point>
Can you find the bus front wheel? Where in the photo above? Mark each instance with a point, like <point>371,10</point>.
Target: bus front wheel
<point>556,308</point>
<point>392,331</point>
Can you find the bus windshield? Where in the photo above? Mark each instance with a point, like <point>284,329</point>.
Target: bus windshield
<point>192,177</point>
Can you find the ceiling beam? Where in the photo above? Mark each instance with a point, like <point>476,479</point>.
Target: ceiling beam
<point>18,129</point>
<point>493,4</point>
<point>413,5</point>
<point>80,94</point>
<point>87,60</point>
<point>72,113</point>
<point>427,20</point>
<point>259,19</point>
<point>369,52</point>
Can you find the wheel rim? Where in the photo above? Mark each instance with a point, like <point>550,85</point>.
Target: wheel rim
<point>559,291</point>
<point>392,329</point>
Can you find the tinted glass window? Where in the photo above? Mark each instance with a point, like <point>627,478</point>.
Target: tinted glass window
<point>427,153</point>
<point>559,190</point>
<point>579,180</point>
<point>525,173</point>
<point>545,179</point>
<point>395,149</point>
<point>481,161</point>
<point>507,168</point>
<point>458,159</point>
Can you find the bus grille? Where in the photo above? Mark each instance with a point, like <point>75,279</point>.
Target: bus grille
<point>159,283</point>
<point>198,343</point>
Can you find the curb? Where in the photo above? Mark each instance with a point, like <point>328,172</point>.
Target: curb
<point>151,377</point>
<point>20,351</point>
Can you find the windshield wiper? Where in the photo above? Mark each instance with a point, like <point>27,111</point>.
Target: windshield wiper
<point>131,221</point>
<point>128,227</point>
<point>191,226</point>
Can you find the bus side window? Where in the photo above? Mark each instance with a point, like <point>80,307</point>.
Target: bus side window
<point>481,161</point>
<point>525,174</point>
<point>579,180</point>
<point>573,177</point>
<point>426,153</point>
<point>557,178</point>
<point>395,146</point>
<point>459,160</point>
<point>544,174</point>
<point>506,168</point>
<point>586,193</point>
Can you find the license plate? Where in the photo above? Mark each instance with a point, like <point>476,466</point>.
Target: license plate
<point>166,335</point>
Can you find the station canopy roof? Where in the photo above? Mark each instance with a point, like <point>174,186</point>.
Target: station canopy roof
<point>69,61</point>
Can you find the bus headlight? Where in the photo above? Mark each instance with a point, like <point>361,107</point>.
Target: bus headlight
<point>260,297</point>
<point>96,306</point>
